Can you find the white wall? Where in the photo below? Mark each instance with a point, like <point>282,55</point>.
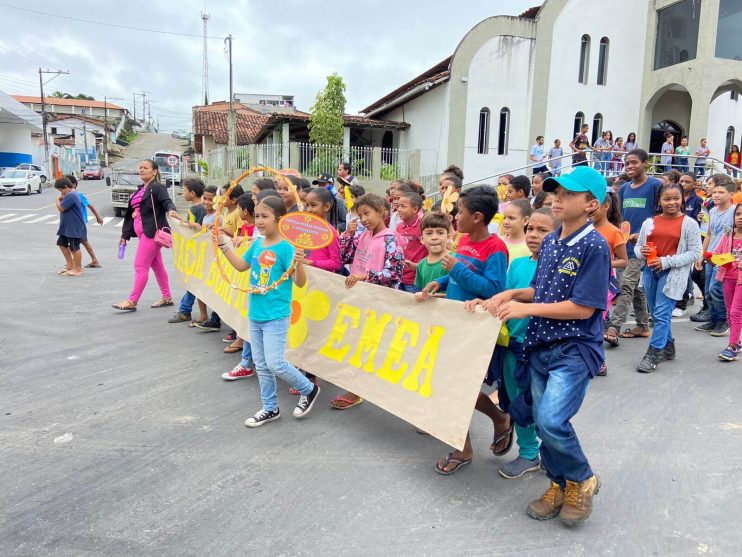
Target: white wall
<point>15,138</point>
<point>619,100</point>
<point>428,131</point>
<point>723,112</point>
<point>500,75</point>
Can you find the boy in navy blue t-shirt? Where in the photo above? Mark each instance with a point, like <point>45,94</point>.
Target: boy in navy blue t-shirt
<point>564,340</point>
<point>72,228</point>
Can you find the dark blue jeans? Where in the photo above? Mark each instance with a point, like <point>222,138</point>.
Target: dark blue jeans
<point>186,303</point>
<point>714,293</point>
<point>559,382</point>
<point>411,288</point>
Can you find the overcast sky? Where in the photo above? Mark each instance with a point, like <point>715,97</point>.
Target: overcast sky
<point>287,47</point>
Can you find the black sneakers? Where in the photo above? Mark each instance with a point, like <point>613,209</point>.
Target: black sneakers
<point>208,325</point>
<point>721,329</point>
<point>650,361</point>
<point>668,352</point>
<point>304,407</point>
<point>263,417</point>
<point>706,327</point>
<point>701,317</point>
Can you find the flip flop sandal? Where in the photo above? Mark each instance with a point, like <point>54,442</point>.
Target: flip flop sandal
<point>509,434</point>
<point>450,459</point>
<point>232,349</point>
<point>162,304</point>
<point>122,307</point>
<point>611,339</point>
<point>63,272</point>
<point>193,325</point>
<point>91,266</point>
<point>635,333</point>
<point>335,403</point>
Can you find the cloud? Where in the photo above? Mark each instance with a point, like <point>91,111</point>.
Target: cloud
<point>286,47</point>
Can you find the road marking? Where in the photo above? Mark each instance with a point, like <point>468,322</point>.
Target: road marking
<point>39,219</point>
<point>35,218</point>
<point>17,219</point>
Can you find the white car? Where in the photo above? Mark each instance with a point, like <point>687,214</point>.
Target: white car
<point>20,181</point>
<point>40,171</point>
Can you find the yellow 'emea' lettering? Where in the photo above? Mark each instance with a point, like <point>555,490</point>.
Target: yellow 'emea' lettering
<point>198,265</point>
<point>368,343</point>
<point>213,275</point>
<point>405,327</point>
<point>334,348</point>
<point>191,257</point>
<point>425,363</point>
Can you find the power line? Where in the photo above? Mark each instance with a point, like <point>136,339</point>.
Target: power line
<point>108,24</point>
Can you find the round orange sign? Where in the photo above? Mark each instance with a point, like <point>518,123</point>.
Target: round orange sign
<point>306,231</point>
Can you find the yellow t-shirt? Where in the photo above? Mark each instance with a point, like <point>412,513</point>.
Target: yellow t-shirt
<point>232,222</point>
<point>517,250</point>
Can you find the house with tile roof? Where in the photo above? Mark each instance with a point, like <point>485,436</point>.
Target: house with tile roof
<point>647,67</point>
<point>75,107</point>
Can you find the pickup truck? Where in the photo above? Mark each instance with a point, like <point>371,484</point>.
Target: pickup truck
<point>125,183</point>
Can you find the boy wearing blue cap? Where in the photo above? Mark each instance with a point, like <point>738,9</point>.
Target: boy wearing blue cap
<point>564,340</point>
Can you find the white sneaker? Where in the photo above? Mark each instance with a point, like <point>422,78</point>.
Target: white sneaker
<point>677,312</point>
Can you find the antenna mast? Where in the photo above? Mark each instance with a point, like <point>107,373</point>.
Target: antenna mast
<point>205,76</point>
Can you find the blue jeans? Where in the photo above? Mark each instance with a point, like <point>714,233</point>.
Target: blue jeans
<point>660,306</point>
<point>268,340</point>
<point>714,293</point>
<point>186,303</point>
<point>700,169</point>
<point>411,288</point>
<point>559,382</point>
<point>247,360</point>
<point>682,164</point>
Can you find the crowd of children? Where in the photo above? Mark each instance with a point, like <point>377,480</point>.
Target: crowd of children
<point>562,276</point>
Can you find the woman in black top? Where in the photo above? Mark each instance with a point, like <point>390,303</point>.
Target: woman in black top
<point>148,210</point>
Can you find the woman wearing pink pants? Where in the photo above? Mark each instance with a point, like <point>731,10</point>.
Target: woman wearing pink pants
<point>147,212</point>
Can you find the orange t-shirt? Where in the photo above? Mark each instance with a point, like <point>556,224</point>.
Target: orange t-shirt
<point>666,234</point>
<point>737,198</point>
<point>613,236</point>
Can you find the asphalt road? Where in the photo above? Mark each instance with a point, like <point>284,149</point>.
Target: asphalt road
<point>118,437</point>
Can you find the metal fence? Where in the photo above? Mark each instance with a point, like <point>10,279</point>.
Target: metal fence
<point>367,163</point>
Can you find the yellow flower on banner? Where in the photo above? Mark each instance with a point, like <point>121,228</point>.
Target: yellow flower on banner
<point>451,197</point>
<point>428,204</point>
<point>314,306</point>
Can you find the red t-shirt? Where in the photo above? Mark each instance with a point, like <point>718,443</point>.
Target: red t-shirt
<point>247,230</point>
<point>666,234</point>
<point>414,250</point>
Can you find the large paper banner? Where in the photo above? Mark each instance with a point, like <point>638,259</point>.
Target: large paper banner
<point>423,362</point>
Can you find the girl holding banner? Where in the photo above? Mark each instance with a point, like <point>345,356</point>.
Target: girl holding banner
<point>272,261</point>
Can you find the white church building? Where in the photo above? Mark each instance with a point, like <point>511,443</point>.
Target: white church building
<point>643,66</point>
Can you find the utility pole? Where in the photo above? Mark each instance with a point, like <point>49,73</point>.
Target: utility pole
<point>205,69</point>
<point>134,105</point>
<point>231,123</point>
<point>105,123</point>
<point>43,114</point>
<point>85,136</point>
<point>142,94</point>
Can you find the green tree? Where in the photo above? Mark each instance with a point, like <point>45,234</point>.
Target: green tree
<point>326,116</point>
<point>79,96</point>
